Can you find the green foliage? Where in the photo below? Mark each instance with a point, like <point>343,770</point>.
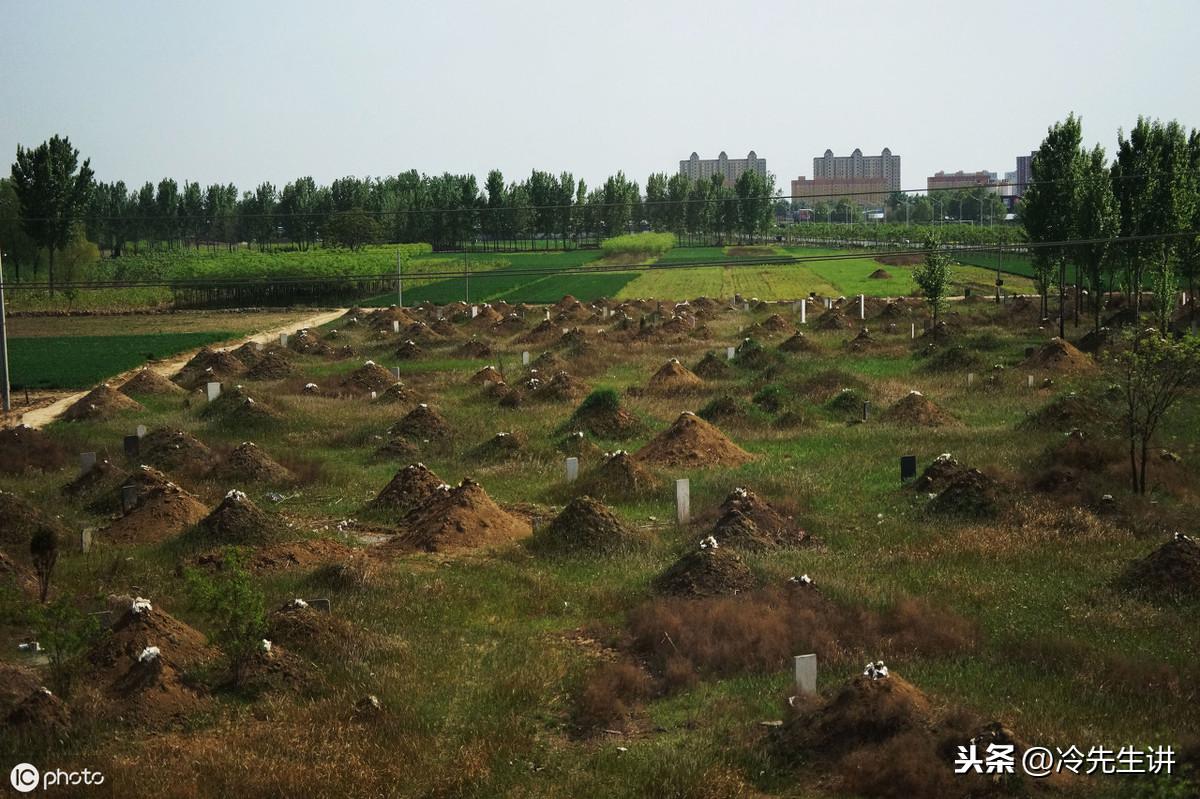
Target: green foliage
<point>233,602</point>
<point>65,632</point>
<point>352,229</point>
<point>933,276</point>
<point>605,400</point>
<point>81,361</point>
<point>647,244</point>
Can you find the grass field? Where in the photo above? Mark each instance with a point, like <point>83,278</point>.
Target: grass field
<point>480,657</point>
<point>82,361</point>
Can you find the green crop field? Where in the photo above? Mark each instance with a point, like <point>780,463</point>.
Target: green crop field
<point>80,361</point>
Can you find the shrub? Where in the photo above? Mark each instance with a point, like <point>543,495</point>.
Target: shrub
<point>602,400</point>
<point>235,605</point>
<point>66,632</point>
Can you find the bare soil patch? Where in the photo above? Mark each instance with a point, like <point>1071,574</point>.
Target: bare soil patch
<point>691,441</point>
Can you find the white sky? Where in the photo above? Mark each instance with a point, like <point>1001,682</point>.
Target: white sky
<point>249,91</point>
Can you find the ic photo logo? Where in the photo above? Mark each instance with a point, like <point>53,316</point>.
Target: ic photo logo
<point>24,777</point>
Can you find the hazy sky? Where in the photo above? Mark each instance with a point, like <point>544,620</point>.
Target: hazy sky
<point>247,91</point>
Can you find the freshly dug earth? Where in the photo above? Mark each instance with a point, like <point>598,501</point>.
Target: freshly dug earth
<point>464,517</point>
<point>674,377</point>
<point>409,350</point>
<point>474,349</point>
<point>501,446</point>
<point>712,367</point>
<point>916,409</point>
<point>1067,412</point>
<point>488,375</point>
<point>747,520</point>
<point>711,571</point>
<point>605,421</point>
<point>176,451</point>
<point>691,441</point>
<point>209,365</point>
<point>102,402</point>
<point>1172,571</point>
<point>939,473</point>
<point>367,378</point>
<point>274,365</point>
<point>618,477</point>
<point>149,382</point>
<point>40,713</point>
<point>286,556</point>
<point>396,394</point>
<point>410,488</point>
<point>304,628</point>
<point>972,494</point>
<point>249,464</point>
<point>1060,356</point>
<point>955,358</point>
<point>561,388</point>
<point>163,510</point>
<point>26,449</point>
<point>880,274</point>
<point>420,424</point>
<point>238,521</point>
<point>833,319</point>
<point>797,343</point>
<point>587,526</point>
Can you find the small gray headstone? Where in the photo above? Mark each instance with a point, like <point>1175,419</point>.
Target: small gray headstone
<point>85,538</point>
<point>319,604</point>
<point>129,497</point>
<point>396,371</point>
<point>141,431</point>
<point>866,410</point>
<point>1030,381</point>
<point>572,469</point>
<point>283,339</point>
<point>474,311</point>
<point>525,358</point>
<point>683,509</point>
<point>395,325</point>
<point>86,461</point>
<point>806,674</point>
<point>212,391</point>
<point>970,379</point>
<point>729,352</point>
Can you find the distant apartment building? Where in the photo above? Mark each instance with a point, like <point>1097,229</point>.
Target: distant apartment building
<point>959,180</point>
<point>871,191</point>
<point>1024,172</point>
<point>859,166</point>
<point>730,169</point>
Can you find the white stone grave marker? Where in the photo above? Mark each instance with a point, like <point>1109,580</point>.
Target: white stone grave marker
<point>806,674</point>
<point>572,469</point>
<point>682,500</point>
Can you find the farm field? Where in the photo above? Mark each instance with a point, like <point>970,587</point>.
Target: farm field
<point>46,362</point>
<point>480,642</point>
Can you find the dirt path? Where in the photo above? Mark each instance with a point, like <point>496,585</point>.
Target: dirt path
<point>40,417</point>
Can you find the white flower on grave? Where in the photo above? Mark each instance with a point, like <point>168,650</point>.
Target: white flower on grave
<point>423,405</point>
<point>741,493</point>
<point>1181,537</point>
<point>310,386</point>
<point>502,435</point>
<point>444,488</point>
<point>915,393</point>
<point>577,434</point>
<point>297,603</point>
<point>235,495</point>
<point>45,690</point>
<point>1106,498</point>
<point>29,646</point>
<point>803,579</point>
<point>140,606</point>
<point>709,543</point>
<point>674,360</point>
<point>369,363</point>
<point>148,654</point>
<point>876,670</point>
<point>266,646</point>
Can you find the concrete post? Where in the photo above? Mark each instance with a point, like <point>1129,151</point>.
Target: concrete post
<point>283,339</point>
<point>212,391</point>
<point>804,312</point>
<point>862,306</point>
<point>525,358</point>
<point>806,674</point>
<point>729,351</point>
<point>572,469</point>
<point>682,500</point>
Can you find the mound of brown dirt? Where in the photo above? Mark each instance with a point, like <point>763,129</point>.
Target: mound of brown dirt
<point>1060,356</point>
<point>673,377</point>
<point>395,394</point>
<point>543,332</point>
<point>955,358</point>
<point>409,350</point>
<point>422,423</point>
<point>501,446</point>
<point>140,662</point>
<point>880,274</point>
<point>162,510</point>
<point>916,409</point>
<point>833,319</point>
<point>274,365</point>
<point>971,494</point>
<point>578,444</point>
<point>176,451</point>
<point>777,324</point>
<point>209,365</point>
<point>237,407</point>
<point>940,333</point>
<point>862,342</point>
<point>1172,571</point>
<point>747,520</point>
<point>301,627</point>
<point>705,572</point>
<point>605,422</point>
<point>249,464</point>
<point>238,521</point>
<point>464,517</point>
<point>102,402</point>
<point>149,382</point>
<point>410,488</point>
<point>1095,340</point>
<point>1067,412</point>
<point>712,367</point>
<point>367,378</point>
<point>797,343</point>
<point>249,353</point>
<point>445,328</point>
<point>486,376</point>
<point>474,349</point>
<point>725,409</point>
<point>560,388</point>
<point>691,441</point>
<point>19,520</point>
<point>587,526</point>
<point>548,362</point>
<point>285,556</point>
<point>40,713</point>
<point>618,477</point>
<point>26,449</point>
<point>306,342</point>
<point>940,473</point>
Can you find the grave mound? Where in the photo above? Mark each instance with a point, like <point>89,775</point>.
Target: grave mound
<point>749,521</point>
<point>100,482</point>
<point>445,329</point>
<point>502,446</point>
<point>161,510</point>
<point>422,423</point>
<point>1172,571</point>
<point>19,520</point>
<point>561,388</point>
<point>238,521</point>
<point>248,463</point>
<point>475,349</point>
<point>725,409</point>
<point>395,394</point>
<point>939,473</point>
<point>548,362</point>
<point>690,441</point>
<point>249,353</point>
<point>304,628</point>
<point>619,476</point>
<point>40,713</point>
<point>488,375</point>
<point>797,343</point>
<point>862,342</point>
<point>306,343</point>
<point>176,451</point>
<point>1067,412</point>
<point>587,526</point>
<point>544,331</point>
<point>409,350</point>
<point>26,449</point>
<point>577,443</point>
<point>284,556</point>
<point>274,365</point>
<point>834,319</point>
<point>955,358</point>
<point>917,409</point>
<point>1095,340</point>
<point>148,382</point>
<point>208,365</point>
<point>1060,356</point>
<point>237,407</point>
<point>367,378</point>
<point>712,367</point>
<point>102,402</point>
<point>674,377</point>
<point>601,415</point>
<point>706,572</point>
<point>777,324</point>
<point>409,488</point>
<point>972,494</point>
<point>937,335</point>
<point>463,517</point>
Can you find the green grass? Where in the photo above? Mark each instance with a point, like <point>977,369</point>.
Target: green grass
<point>82,361</point>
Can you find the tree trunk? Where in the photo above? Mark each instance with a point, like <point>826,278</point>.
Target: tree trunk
<point>1142,478</point>
<point>1062,298</point>
<point>50,274</point>
<point>1133,469</point>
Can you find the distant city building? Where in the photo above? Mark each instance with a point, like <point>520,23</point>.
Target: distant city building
<point>958,180</point>
<point>730,169</point>
<point>1024,173</point>
<point>856,165</point>
<point>864,191</point>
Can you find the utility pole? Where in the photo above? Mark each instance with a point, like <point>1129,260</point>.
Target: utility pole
<point>5,388</point>
<point>399,277</point>
<point>467,274</point>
